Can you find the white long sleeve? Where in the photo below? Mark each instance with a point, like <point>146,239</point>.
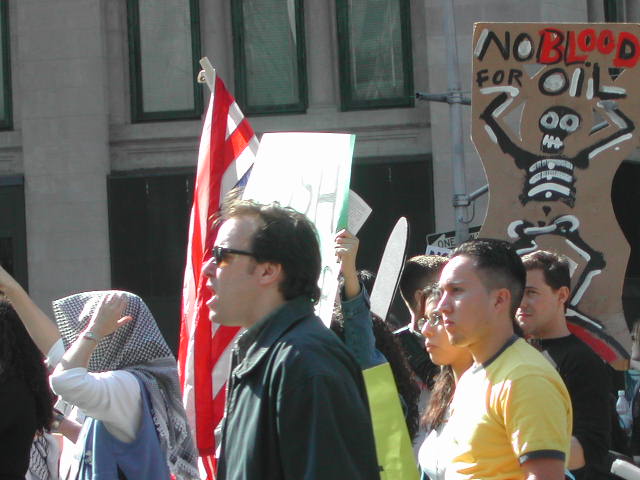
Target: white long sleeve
<point>113,397</point>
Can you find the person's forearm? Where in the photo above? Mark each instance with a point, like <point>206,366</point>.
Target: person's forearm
<point>576,455</point>
<point>79,353</point>
<point>41,329</point>
<point>66,427</point>
<point>351,285</point>
<point>70,429</point>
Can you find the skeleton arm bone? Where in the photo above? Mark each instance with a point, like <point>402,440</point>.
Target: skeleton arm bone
<point>616,117</point>
<point>495,131</point>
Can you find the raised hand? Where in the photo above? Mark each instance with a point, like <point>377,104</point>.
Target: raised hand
<point>108,316</point>
<point>346,247</point>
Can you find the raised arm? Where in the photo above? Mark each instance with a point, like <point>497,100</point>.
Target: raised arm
<point>358,327</point>
<point>41,329</point>
<point>106,320</point>
<point>494,109</point>
<point>346,250</point>
<point>624,132</point>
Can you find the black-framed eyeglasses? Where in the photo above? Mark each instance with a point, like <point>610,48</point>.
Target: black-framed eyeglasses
<point>220,253</point>
<point>432,320</point>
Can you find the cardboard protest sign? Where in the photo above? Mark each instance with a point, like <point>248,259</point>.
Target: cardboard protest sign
<point>309,172</point>
<point>554,113</point>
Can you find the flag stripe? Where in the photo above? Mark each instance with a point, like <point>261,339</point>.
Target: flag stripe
<point>227,150</point>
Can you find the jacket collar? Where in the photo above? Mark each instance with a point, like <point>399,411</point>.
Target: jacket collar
<point>272,328</point>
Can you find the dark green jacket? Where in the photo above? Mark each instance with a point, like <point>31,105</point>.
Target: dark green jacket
<point>296,405</point>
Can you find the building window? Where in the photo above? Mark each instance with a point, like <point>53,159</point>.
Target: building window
<point>164,50</point>
<point>148,234</point>
<point>614,11</point>
<point>269,55</point>
<point>374,39</point>
<point>13,231</point>
<point>6,119</point>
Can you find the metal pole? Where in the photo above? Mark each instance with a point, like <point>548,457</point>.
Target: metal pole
<point>460,199</point>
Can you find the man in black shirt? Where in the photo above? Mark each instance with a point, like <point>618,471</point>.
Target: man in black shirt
<point>542,317</point>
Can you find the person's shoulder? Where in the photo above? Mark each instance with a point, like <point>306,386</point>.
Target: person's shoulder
<point>580,357</point>
<point>522,360</point>
<point>311,345</point>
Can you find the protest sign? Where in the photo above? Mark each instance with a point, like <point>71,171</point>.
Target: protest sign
<point>390,269</point>
<point>554,112</point>
<point>393,445</point>
<point>309,172</point>
<point>359,211</point>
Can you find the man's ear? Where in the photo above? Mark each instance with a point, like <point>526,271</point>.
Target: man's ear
<point>270,273</point>
<point>563,295</point>
<point>419,301</point>
<point>502,299</point>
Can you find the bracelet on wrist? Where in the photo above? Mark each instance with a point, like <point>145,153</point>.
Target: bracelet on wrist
<point>58,417</point>
<point>89,335</point>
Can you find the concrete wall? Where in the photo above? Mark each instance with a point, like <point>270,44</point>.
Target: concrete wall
<point>59,61</point>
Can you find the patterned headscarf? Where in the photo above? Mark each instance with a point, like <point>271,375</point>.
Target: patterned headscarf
<point>139,348</point>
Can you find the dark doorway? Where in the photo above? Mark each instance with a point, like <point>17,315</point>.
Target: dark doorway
<point>13,237</point>
<point>394,187</point>
<point>148,229</point>
<point>625,196</point>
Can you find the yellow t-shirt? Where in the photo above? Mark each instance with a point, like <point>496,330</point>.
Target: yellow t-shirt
<point>509,410</point>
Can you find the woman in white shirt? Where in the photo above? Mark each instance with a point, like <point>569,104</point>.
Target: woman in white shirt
<point>114,365</point>
<point>454,361</point>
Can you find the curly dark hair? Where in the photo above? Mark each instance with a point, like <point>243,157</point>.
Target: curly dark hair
<point>286,237</point>
<point>390,347</point>
<point>20,358</point>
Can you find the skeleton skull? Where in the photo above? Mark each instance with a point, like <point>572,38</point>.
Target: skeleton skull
<point>556,123</point>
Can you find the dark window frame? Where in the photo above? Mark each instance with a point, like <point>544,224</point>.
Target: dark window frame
<point>239,63</point>
<point>614,11</point>
<point>138,115</point>
<point>347,102</point>
<point>6,123</point>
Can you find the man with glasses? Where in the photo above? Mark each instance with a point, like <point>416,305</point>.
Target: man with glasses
<point>296,401</point>
<point>511,413</point>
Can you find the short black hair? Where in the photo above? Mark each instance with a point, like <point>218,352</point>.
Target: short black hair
<point>555,267</point>
<point>499,266</point>
<point>286,237</point>
<point>418,272</point>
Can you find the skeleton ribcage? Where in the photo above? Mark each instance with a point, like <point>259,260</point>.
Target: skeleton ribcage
<point>550,179</point>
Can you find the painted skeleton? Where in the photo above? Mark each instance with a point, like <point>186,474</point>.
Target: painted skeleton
<point>550,177</point>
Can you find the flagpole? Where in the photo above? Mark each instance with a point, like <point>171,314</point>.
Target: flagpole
<point>207,74</point>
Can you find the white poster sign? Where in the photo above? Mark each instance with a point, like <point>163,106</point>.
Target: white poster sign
<point>309,172</point>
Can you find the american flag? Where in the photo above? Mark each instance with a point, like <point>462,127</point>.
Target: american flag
<point>228,147</point>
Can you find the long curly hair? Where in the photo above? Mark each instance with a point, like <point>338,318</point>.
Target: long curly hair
<point>20,358</point>
<point>390,347</point>
<point>441,395</point>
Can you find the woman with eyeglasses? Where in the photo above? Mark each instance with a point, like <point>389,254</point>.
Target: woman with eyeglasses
<point>453,362</point>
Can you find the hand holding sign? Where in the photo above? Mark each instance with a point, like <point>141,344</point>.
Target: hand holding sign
<point>346,250</point>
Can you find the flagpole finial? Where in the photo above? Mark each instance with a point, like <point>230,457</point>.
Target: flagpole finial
<point>207,74</point>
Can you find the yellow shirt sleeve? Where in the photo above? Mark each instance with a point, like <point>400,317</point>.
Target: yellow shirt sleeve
<point>537,417</point>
